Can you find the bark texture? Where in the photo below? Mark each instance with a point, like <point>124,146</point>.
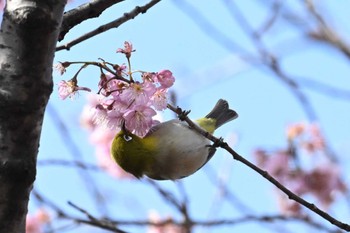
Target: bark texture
<point>28,38</point>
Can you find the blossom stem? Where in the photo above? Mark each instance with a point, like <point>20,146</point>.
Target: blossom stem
<point>130,72</point>
<point>101,65</point>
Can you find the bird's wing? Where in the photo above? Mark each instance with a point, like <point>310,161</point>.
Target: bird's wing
<point>156,127</point>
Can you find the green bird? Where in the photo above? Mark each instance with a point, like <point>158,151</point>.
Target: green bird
<point>170,150</point>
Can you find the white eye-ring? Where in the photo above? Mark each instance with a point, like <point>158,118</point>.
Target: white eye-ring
<point>127,138</point>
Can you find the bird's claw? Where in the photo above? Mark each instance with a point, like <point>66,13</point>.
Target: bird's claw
<point>183,114</point>
<point>218,143</point>
<point>212,148</point>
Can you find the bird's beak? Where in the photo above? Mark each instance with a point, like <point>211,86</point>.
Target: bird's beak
<point>123,128</point>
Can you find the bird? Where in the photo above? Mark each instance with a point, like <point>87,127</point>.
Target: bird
<point>170,150</point>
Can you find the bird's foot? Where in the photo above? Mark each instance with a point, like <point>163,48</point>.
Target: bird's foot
<point>212,148</point>
<point>218,143</point>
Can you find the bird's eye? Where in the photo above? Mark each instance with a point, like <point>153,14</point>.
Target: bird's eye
<point>127,138</point>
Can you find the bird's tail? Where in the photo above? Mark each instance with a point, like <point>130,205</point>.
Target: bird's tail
<point>222,113</point>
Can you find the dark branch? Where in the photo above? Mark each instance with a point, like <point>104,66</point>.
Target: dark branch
<point>96,222</point>
<point>114,24</point>
<point>325,33</point>
<point>263,173</point>
<point>89,10</point>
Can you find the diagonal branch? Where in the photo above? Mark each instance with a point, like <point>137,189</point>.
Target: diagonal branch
<point>113,24</point>
<point>95,221</point>
<point>325,33</point>
<point>218,142</point>
<point>89,10</point>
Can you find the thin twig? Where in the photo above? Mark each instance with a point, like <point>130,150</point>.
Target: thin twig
<point>67,163</point>
<point>114,24</point>
<point>181,206</point>
<point>225,222</point>
<point>95,221</point>
<point>47,202</point>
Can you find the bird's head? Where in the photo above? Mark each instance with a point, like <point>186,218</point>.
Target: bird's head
<point>133,153</point>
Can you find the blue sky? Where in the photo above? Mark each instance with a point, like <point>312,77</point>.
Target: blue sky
<point>167,38</point>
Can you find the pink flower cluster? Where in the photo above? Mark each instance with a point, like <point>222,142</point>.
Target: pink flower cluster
<point>133,103</point>
<point>36,222</point>
<point>122,99</point>
<point>322,180</point>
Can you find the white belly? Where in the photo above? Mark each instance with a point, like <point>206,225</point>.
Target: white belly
<point>183,151</point>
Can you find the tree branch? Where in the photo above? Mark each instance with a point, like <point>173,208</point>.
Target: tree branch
<point>114,24</point>
<point>89,10</point>
<point>218,142</point>
<point>67,163</point>
<point>96,222</point>
<point>325,33</point>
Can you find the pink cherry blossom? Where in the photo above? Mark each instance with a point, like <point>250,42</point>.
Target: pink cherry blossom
<point>165,78</point>
<point>322,180</point>
<point>109,84</point>
<point>159,99</point>
<point>138,93</point>
<point>115,119</point>
<point>100,111</point>
<point>65,89</point>
<point>108,113</point>
<point>127,50</point>
<point>61,67</point>
<point>139,119</point>
<point>69,89</point>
